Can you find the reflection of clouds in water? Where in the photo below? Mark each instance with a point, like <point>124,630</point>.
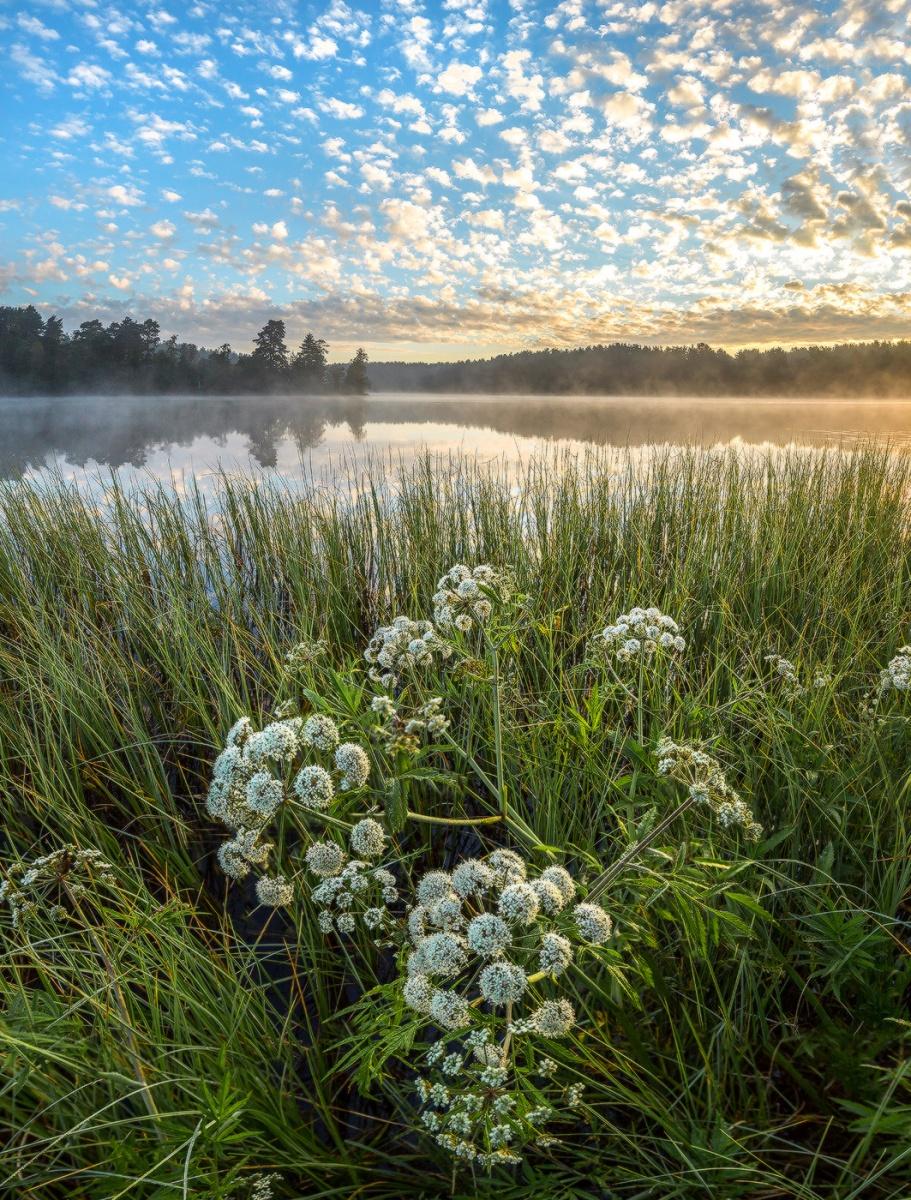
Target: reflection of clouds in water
<point>182,440</point>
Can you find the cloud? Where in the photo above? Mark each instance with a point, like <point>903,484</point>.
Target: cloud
<point>459,79</point>
<point>342,110</point>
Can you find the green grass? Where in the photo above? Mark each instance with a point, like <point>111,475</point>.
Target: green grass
<point>752,1041</point>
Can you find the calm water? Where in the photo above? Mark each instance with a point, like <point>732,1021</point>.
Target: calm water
<point>179,438</point>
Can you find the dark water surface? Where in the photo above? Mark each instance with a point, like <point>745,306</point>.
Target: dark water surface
<point>179,438</point>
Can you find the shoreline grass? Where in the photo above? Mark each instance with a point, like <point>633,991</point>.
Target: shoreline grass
<point>764,1051</point>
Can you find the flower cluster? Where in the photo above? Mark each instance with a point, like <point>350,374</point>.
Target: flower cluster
<point>401,730</point>
<point>897,675</point>
<point>400,646</point>
<point>465,596</point>
<point>52,882</point>
<point>356,886</point>
<point>484,937</point>
<point>253,779</point>
<point>707,784</point>
<point>481,1109</point>
<point>790,679</point>
<point>304,654</point>
<point>640,633</point>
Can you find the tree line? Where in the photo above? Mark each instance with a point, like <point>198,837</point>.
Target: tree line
<point>855,369</point>
<point>37,355</point>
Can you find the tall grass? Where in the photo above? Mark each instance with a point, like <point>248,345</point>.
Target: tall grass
<point>763,1049</point>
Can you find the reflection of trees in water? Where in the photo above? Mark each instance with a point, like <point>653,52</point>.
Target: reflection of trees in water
<point>116,432</point>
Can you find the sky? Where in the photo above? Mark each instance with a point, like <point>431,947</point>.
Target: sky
<point>458,179</point>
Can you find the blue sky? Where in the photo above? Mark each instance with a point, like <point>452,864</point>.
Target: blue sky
<point>460,178</point>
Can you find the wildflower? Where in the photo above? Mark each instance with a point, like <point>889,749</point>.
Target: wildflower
<point>264,794</point>
<point>556,953</point>
<point>488,934</point>
<point>345,923</point>
<point>434,886</point>
<point>574,1095</point>
<point>550,897</point>
<point>325,858</point>
<point>444,953</point>
<point>446,913</point>
<point>324,920</point>
<point>507,867</point>
<point>471,878</point>
<point>418,991</point>
<point>502,983</point>
<point>562,880</point>
<point>239,733</point>
<point>402,645</point>
<point>277,742</point>
<point>519,903</point>
<point>554,1018</point>
<point>460,600</point>
<point>314,788</point>
<point>367,838</point>
<point>897,675</point>
<point>353,763</point>
<point>706,782</point>
<point>236,856</point>
<point>274,891</point>
<point>320,732</point>
<point>304,654</point>
<point>593,923</point>
<point>449,1009</point>
<point>641,632</point>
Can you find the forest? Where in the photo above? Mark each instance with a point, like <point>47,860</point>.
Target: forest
<point>37,356</point>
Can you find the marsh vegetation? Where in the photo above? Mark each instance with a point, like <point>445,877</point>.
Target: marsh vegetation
<point>632,799</point>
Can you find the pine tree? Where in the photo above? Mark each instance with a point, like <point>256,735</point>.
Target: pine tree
<point>356,380</point>
<point>309,364</point>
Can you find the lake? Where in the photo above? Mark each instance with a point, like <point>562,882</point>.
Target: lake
<point>179,438</point>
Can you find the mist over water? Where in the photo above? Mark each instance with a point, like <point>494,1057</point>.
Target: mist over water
<point>176,438</point>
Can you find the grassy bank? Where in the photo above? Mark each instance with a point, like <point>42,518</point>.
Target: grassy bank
<point>747,1034</point>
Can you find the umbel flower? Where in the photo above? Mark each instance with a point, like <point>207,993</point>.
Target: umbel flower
<point>465,596</point>
<point>401,646</point>
<point>484,939</point>
<point>640,633</point>
<point>254,780</point>
<point>707,784</point>
<point>53,884</point>
<point>897,675</point>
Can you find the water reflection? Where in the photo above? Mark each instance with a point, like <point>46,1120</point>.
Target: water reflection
<point>161,435</point>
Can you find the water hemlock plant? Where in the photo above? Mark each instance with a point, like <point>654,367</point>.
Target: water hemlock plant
<point>515,905</point>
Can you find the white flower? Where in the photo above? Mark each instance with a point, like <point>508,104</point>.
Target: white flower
<point>320,732</point>
<point>418,991</point>
<point>274,891</point>
<point>325,858</point>
<point>519,903</point>
<point>640,632</point>
<point>354,764</point>
<point>443,953</point>
<point>434,886</point>
<point>488,934</point>
<point>264,794</point>
<point>471,878</point>
<point>554,1018</point>
<point>562,880</point>
<point>502,983</point>
<point>446,913</point>
<point>556,953</point>
<point>345,923</point>
<point>549,895</point>
<point>593,923</point>
<point>314,788</point>
<point>449,1009</point>
<point>236,855</point>
<point>507,866</point>
<point>368,838</point>
<point>277,742</point>
<point>239,732</point>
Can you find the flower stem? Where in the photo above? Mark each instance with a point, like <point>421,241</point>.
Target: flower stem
<point>413,816</point>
